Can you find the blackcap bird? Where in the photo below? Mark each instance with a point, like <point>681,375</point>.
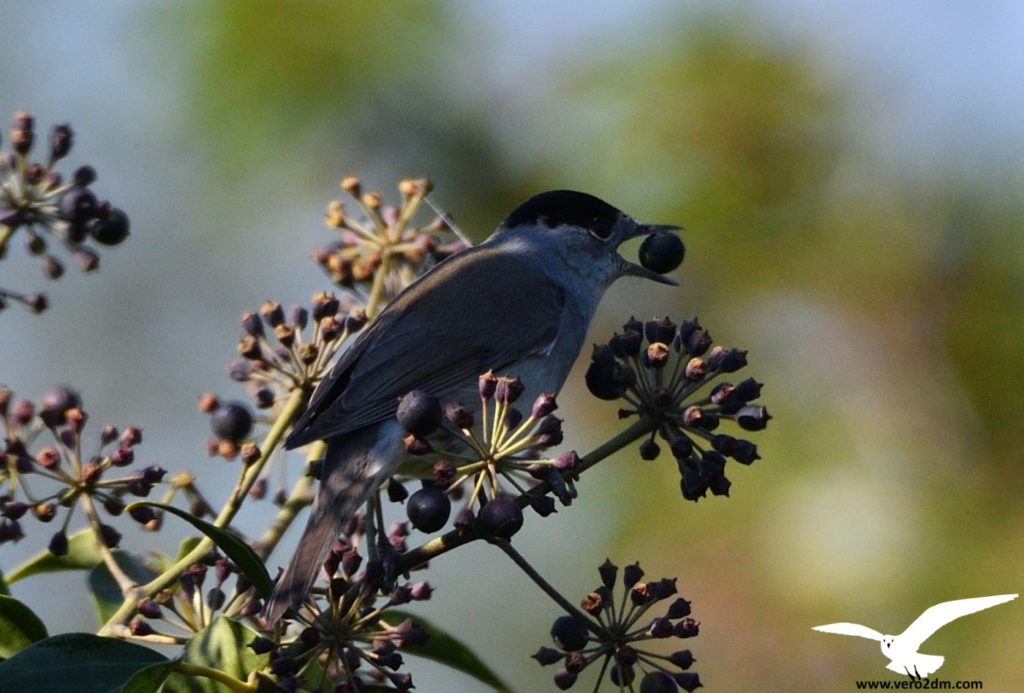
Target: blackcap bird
<point>519,303</point>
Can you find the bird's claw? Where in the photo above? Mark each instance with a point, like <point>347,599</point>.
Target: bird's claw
<point>916,676</point>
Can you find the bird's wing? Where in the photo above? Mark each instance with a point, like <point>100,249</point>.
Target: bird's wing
<point>937,616</point>
<point>411,344</point>
<point>850,629</point>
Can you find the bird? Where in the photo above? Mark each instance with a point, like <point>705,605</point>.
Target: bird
<point>519,303</point>
<point>902,649</point>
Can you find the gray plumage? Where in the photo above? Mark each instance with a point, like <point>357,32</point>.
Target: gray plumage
<point>519,304</point>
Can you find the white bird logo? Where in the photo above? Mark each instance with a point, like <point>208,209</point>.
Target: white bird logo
<point>902,649</point>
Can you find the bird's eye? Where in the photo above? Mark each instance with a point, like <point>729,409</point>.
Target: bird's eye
<point>599,228</point>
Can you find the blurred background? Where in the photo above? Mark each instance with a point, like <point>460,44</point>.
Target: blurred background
<point>849,175</point>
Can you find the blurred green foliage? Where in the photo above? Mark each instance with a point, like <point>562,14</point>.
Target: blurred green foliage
<point>362,85</point>
<point>877,289</point>
<point>883,303</point>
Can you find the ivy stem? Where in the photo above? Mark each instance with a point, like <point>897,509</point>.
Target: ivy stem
<point>125,583</point>
<point>189,669</point>
<point>636,431</point>
<point>5,234</point>
<point>377,291</point>
<point>230,509</point>
<point>544,585</point>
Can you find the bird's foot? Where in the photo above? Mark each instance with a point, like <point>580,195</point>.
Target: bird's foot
<point>388,555</point>
<point>916,675</point>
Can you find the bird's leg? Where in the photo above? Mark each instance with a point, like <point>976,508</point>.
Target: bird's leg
<point>379,546</point>
<point>374,527</point>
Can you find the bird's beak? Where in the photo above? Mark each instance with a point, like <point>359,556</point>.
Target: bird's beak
<point>648,229</point>
<point>633,270</point>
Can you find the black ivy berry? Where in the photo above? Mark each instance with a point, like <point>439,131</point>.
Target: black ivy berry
<point>570,633</point>
<point>111,230</point>
<point>84,175</point>
<point>501,517</point>
<point>428,509</point>
<point>419,413</point>
<point>231,421</point>
<point>78,205</point>
<point>662,252</point>
<point>658,682</point>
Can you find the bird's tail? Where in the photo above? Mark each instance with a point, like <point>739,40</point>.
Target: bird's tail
<point>917,666</point>
<point>347,480</point>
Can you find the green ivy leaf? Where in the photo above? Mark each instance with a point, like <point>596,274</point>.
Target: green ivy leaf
<point>106,593</point>
<point>19,627</point>
<point>236,549</point>
<point>75,663</point>
<point>221,645</point>
<point>148,679</point>
<point>445,649</point>
<point>83,553</point>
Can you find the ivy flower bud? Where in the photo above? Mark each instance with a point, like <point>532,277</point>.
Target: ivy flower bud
<point>752,417</point>
<point>272,313</point>
<point>544,405</point>
<point>487,384</point>
<point>663,330</point>
<point>458,415</point>
<point>508,390</point>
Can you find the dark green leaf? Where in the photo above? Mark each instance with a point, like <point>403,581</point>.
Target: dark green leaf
<point>19,627</point>
<point>221,645</point>
<point>4,589</point>
<point>445,649</point>
<point>106,593</point>
<point>75,663</point>
<point>236,549</point>
<point>148,679</point>
<point>83,553</point>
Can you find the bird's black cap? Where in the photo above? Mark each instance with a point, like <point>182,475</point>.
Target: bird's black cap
<point>557,207</point>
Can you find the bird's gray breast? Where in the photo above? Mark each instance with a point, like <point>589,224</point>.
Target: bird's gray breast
<point>546,371</point>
